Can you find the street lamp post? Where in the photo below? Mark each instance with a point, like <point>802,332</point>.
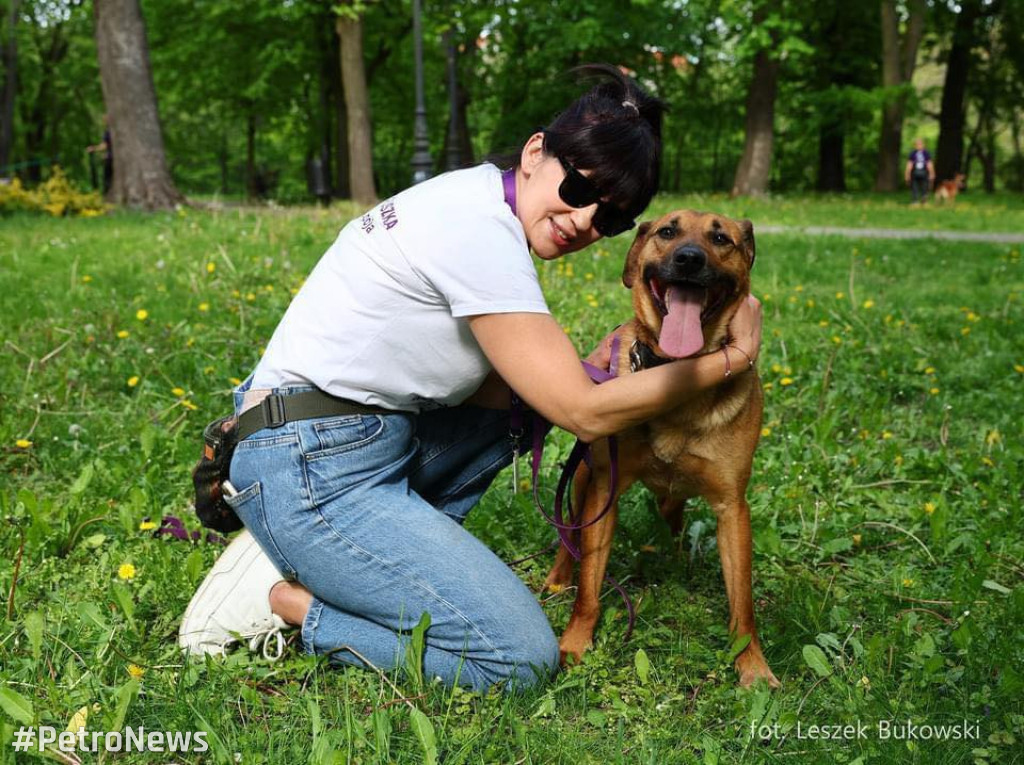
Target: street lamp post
<point>421,162</point>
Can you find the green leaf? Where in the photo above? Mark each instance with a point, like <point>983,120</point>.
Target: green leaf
<point>738,646</point>
<point>123,699</point>
<point>147,440</point>
<point>414,651</point>
<point>643,665</point>
<point>817,660</point>
<point>84,479</point>
<point>194,565</point>
<point>991,585</point>
<point>424,731</point>
<point>91,612</point>
<point>17,706</point>
<point>34,623</point>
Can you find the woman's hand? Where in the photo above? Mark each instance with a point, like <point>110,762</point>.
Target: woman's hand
<point>601,356</point>
<point>745,327</point>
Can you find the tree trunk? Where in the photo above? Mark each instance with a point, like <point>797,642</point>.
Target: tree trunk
<point>9,56</point>
<point>1017,184</point>
<point>949,153</point>
<point>251,186</point>
<point>141,177</point>
<point>831,170</point>
<point>899,58</point>
<point>755,166</point>
<point>357,106</point>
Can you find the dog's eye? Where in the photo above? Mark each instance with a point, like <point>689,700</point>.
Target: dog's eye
<point>667,232</point>
<point>720,239</point>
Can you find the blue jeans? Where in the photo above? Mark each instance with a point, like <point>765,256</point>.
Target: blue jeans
<point>366,512</point>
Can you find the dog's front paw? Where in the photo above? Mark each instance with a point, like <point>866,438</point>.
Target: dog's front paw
<point>754,668</point>
<point>572,647</point>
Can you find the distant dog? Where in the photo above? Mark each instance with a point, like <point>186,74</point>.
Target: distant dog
<point>946,191</point>
<point>689,272</point>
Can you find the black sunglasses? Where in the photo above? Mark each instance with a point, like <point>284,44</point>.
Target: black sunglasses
<point>576,190</point>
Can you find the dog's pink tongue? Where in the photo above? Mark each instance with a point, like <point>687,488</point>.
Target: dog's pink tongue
<point>681,333</point>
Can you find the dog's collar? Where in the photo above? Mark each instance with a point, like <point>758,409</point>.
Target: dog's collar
<point>642,357</point>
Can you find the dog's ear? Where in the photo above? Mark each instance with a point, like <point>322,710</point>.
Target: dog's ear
<point>629,269</point>
<point>748,239</point>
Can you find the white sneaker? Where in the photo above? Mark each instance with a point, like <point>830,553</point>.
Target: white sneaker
<point>233,603</point>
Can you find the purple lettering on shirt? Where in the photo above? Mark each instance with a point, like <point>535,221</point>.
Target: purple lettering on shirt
<point>388,215</point>
<point>367,223</point>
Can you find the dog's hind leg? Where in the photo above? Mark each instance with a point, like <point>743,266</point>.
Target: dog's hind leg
<point>736,550</point>
<point>671,509</point>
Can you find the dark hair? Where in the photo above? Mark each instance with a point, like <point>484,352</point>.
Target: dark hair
<point>613,130</point>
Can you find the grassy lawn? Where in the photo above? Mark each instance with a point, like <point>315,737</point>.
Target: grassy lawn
<point>887,506</point>
<point>972,212</point>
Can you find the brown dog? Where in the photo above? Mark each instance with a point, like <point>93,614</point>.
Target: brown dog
<point>688,272</point>
<point>946,191</point>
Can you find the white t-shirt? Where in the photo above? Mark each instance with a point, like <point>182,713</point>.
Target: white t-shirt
<point>382,318</point>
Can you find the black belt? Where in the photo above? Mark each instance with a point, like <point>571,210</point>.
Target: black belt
<point>275,410</point>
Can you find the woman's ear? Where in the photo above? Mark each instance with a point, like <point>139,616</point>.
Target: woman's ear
<point>532,154</point>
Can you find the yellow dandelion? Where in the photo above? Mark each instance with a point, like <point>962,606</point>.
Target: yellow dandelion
<point>211,267</point>
<point>136,671</point>
<point>786,381</point>
<point>929,507</point>
<point>236,293</point>
<point>811,304</point>
<point>886,435</point>
<point>898,459</point>
<point>133,381</point>
<point>908,582</point>
<point>787,370</point>
<point>142,314</point>
<point>934,391</point>
<point>250,296</point>
<point>776,368</point>
<point>767,296</point>
<point>86,278</point>
<point>792,298</point>
<point>868,304</point>
<point>768,386</point>
<point>929,371</point>
<point>993,437</point>
<point>204,307</point>
<point>294,290</point>
<point>857,538</point>
<point>864,683</point>
<point>1018,368</point>
<point>588,276</point>
<point>23,443</point>
<point>179,392</point>
<point>147,526</point>
<point>234,381</point>
<point>123,334</point>
<point>798,288</point>
<point>840,295</point>
<point>988,462</point>
<point>208,370</point>
<point>823,323</point>
<point>837,339</point>
<point>972,316</point>
<point>188,405</point>
<point>864,434</point>
<point>126,571</point>
<point>965,331</point>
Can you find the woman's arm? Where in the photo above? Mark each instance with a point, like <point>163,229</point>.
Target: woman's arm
<point>532,354</point>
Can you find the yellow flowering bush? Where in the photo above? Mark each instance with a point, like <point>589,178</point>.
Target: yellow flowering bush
<point>57,196</point>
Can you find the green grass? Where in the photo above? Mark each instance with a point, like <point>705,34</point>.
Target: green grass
<point>889,561</point>
<point>1003,213</point>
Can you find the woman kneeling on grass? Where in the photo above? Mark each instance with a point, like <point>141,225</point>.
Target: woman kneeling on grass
<point>408,334</point>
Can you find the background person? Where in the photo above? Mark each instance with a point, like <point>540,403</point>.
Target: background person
<point>106,147</point>
<point>919,173</point>
<point>421,311</point>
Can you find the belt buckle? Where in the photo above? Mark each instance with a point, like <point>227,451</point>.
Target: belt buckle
<point>273,411</point>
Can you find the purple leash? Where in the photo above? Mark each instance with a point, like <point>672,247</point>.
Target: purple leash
<point>580,452</point>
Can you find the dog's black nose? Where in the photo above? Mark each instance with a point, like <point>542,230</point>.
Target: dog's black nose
<point>689,259</point>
